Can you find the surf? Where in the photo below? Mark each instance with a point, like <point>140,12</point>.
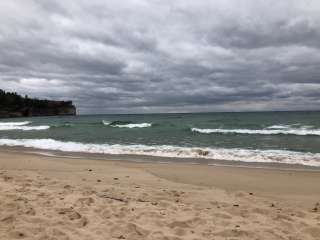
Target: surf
<point>14,123</point>
<point>268,131</point>
<point>232,154</point>
<point>126,124</point>
<point>23,126</point>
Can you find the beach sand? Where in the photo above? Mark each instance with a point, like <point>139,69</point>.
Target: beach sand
<point>52,198</point>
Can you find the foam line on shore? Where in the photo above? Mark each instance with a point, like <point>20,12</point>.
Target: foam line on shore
<point>235,154</point>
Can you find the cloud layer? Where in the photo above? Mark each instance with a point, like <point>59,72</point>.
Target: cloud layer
<point>163,56</point>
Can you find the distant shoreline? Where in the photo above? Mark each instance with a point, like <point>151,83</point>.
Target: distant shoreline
<point>214,112</point>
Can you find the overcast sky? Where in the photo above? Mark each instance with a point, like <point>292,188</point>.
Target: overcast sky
<point>163,55</point>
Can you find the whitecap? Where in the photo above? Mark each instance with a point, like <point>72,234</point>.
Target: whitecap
<point>290,131</point>
<point>14,123</point>
<point>105,122</point>
<point>279,127</point>
<point>133,125</point>
<point>23,128</point>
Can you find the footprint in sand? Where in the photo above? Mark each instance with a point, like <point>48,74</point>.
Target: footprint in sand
<point>18,235</point>
<point>234,233</point>
<point>8,219</point>
<point>70,213</point>
<point>87,201</point>
<point>129,231</point>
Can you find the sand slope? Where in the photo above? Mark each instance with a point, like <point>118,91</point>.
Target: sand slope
<point>43,198</point>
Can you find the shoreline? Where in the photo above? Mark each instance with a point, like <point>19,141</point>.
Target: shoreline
<point>283,182</point>
<point>46,197</point>
<point>159,160</point>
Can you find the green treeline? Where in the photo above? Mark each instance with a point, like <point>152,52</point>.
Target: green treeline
<point>13,101</point>
<point>15,105</point>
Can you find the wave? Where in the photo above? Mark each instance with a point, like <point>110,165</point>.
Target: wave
<point>126,124</point>
<point>8,126</point>
<point>243,155</point>
<point>105,122</point>
<point>288,131</point>
<point>14,123</point>
<point>293,126</point>
<point>23,128</point>
<point>63,125</point>
<point>279,127</point>
<point>133,125</point>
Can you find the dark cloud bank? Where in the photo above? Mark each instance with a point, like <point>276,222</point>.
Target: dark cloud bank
<point>163,56</point>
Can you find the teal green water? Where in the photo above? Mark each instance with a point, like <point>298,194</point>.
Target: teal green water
<point>286,132</point>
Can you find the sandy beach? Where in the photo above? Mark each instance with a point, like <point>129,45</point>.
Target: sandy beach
<point>63,198</point>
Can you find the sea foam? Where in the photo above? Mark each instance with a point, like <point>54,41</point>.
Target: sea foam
<point>235,154</point>
<point>8,126</point>
<point>279,127</point>
<point>23,128</point>
<point>133,125</point>
<point>268,131</point>
<point>123,124</point>
<point>104,122</point>
<point>14,123</point>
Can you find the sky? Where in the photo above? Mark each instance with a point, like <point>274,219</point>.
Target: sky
<point>147,56</point>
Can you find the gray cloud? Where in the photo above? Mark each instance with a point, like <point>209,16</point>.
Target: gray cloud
<point>163,56</point>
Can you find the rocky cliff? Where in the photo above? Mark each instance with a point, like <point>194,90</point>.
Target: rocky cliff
<point>14,105</point>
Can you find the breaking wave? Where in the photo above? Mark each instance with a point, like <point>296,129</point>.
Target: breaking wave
<point>293,127</point>
<point>279,127</point>
<point>126,124</point>
<point>243,155</point>
<point>105,122</point>
<point>8,126</point>
<point>23,128</point>
<point>133,125</point>
<point>14,123</point>
<point>273,130</point>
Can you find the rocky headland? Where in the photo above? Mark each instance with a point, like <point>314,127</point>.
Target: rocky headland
<point>14,105</point>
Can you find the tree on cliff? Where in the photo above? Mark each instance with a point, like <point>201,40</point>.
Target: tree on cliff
<point>12,104</point>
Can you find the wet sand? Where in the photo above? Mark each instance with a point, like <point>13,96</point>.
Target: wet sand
<point>61,198</point>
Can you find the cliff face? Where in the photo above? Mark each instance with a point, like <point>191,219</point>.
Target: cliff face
<point>13,105</point>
